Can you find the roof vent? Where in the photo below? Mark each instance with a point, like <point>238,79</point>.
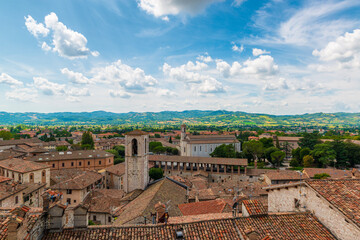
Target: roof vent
<point>180,234</point>
<point>69,152</point>
<point>40,158</point>
<point>90,155</point>
<point>61,153</point>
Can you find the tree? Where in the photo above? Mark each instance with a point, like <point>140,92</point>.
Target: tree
<point>121,150</point>
<point>269,151</point>
<point>61,148</point>
<point>277,158</point>
<point>5,135</point>
<point>153,145</point>
<point>308,161</point>
<point>156,135</point>
<point>156,173</point>
<point>87,141</point>
<point>117,158</point>
<point>321,176</point>
<point>303,152</point>
<point>224,151</point>
<point>267,142</point>
<point>170,140</point>
<point>323,154</point>
<point>159,149</point>
<point>309,140</point>
<point>254,148</point>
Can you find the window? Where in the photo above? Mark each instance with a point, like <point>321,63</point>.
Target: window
<point>99,162</point>
<point>79,163</point>
<point>16,200</point>
<point>13,175</point>
<point>134,147</point>
<point>297,203</point>
<point>88,163</point>
<point>200,149</point>
<point>72,164</point>
<point>109,219</point>
<point>68,191</point>
<point>68,200</point>
<point>74,201</point>
<point>53,165</point>
<point>195,149</point>
<point>94,217</point>
<point>31,176</point>
<point>63,164</point>
<point>43,173</point>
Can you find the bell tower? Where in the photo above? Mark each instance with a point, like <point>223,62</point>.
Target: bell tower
<point>182,140</point>
<point>136,160</point>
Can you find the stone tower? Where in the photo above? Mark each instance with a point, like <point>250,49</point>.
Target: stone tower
<point>182,142</point>
<point>136,160</point>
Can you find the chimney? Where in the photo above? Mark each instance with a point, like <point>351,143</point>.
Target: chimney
<point>12,228</point>
<point>160,210</point>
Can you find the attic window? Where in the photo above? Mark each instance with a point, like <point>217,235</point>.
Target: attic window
<point>61,153</point>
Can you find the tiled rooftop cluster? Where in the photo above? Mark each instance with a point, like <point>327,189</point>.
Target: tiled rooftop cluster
<point>204,207</point>
<point>301,226</point>
<point>254,207</point>
<point>343,194</point>
<point>80,181</point>
<point>22,166</point>
<point>69,155</point>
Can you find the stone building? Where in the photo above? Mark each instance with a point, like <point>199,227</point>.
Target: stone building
<point>82,159</point>
<point>74,190</point>
<point>203,145</point>
<point>24,171</point>
<point>217,168</point>
<point>334,202</point>
<point>282,176</point>
<point>136,160</point>
<point>115,176</point>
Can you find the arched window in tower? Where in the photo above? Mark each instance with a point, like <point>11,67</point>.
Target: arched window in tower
<point>145,146</point>
<point>134,147</point>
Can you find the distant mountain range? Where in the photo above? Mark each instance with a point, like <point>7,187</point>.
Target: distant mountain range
<point>195,117</point>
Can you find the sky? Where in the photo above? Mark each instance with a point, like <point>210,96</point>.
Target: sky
<point>275,57</point>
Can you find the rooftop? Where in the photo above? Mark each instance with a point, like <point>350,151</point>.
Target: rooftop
<point>71,155</point>
<point>103,200</point>
<point>22,166</point>
<point>334,173</point>
<point>279,226</point>
<point>79,182</point>
<point>284,175</point>
<point>254,207</point>
<point>342,194</point>
<point>204,207</point>
<point>19,141</point>
<point>209,160</point>
<point>118,169</point>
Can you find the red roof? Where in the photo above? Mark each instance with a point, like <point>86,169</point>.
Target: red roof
<point>204,207</point>
<point>254,207</point>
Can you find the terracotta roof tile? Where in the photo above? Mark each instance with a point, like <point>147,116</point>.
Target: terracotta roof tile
<point>79,182</point>
<point>22,166</point>
<point>284,175</point>
<point>334,173</point>
<point>254,207</point>
<point>204,207</point>
<point>118,169</point>
<point>342,194</point>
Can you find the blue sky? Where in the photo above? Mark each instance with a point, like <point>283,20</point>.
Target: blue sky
<point>277,57</point>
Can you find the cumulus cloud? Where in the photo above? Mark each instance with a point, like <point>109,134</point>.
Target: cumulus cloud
<point>119,93</point>
<point>162,92</point>
<point>209,85</point>
<point>22,94</point>
<point>236,48</point>
<point>66,42</point>
<point>276,85</point>
<point>205,58</point>
<point>7,79</point>
<point>35,28</point>
<point>262,65</point>
<point>131,79</point>
<point>344,49</point>
<point>256,52</point>
<point>75,77</point>
<point>238,3</point>
<point>160,8</point>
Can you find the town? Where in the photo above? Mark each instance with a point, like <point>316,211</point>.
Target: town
<point>62,183</point>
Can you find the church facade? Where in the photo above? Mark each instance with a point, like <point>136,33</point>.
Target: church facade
<point>203,145</point>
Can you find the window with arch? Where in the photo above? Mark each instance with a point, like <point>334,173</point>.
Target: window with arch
<point>43,176</point>
<point>31,178</point>
<point>134,147</point>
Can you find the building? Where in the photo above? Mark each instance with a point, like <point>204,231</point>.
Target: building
<point>282,176</point>
<point>333,173</point>
<point>82,159</point>
<point>52,145</point>
<point>139,210</point>
<point>114,176</point>
<point>205,207</point>
<point>136,160</point>
<point>107,144</point>
<point>203,145</point>
<point>101,205</point>
<point>75,190</point>
<point>334,202</point>
<point>217,168</point>
<point>24,171</point>
<point>301,226</point>
<point>7,144</point>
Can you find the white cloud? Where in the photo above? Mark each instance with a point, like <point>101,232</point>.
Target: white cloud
<point>238,3</point>
<point>262,65</point>
<point>344,49</point>
<point>166,18</point>
<point>72,99</point>
<point>314,24</point>
<point>75,77</point>
<point>205,58</point>
<point>132,80</point>
<point>119,93</point>
<point>22,94</point>
<point>45,47</point>
<point>160,8</point>
<point>35,28</point>
<point>47,87</point>
<point>210,85</point>
<point>162,92</point>
<point>256,52</point>
<point>66,42</point>
<point>6,79</point>
<point>236,48</point>
<point>276,85</point>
